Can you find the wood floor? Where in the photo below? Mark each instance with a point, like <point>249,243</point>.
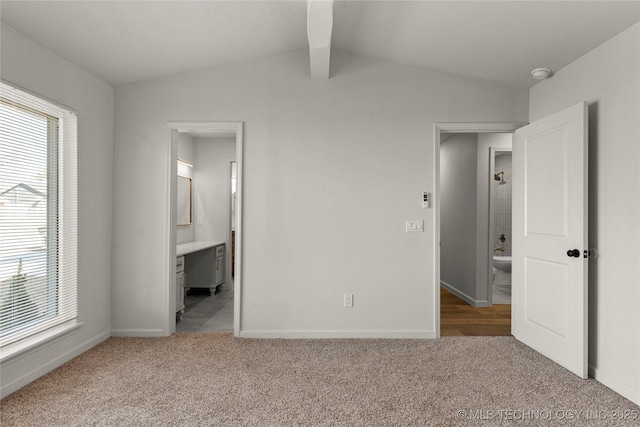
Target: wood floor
<point>458,318</point>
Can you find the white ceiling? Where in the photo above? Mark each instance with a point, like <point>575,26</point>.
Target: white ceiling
<point>501,41</point>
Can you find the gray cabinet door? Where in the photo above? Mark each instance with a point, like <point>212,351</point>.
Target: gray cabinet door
<point>219,270</point>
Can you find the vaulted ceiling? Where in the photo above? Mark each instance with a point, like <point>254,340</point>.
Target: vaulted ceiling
<point>501,41</point>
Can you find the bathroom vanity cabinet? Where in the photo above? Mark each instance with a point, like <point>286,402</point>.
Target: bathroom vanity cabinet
<point>203,264</point>
<point>219,266</point>
<point>180,281</point>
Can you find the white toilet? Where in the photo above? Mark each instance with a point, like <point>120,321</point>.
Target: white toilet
<point>502,270</point>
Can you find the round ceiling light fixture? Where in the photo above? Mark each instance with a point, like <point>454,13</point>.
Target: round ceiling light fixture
<point>541,73</point>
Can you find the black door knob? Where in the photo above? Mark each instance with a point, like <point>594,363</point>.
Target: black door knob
<point>573,253</point>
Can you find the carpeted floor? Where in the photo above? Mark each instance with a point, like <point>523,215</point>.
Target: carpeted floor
<point>217,380</point>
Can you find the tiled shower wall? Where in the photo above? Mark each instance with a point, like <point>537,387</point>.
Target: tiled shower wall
<point>502,205</point>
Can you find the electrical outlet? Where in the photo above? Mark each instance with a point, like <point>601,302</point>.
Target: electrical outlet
<point>348,300</point>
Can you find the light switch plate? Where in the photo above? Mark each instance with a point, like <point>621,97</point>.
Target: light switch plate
<point>414,226</point>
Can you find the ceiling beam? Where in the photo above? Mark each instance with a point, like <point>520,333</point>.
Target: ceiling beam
<point>319,27</point>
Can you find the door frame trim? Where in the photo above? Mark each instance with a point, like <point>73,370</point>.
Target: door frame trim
<point>439,128</point>
<point>169,270</point>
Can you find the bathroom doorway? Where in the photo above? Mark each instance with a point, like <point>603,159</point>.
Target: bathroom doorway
<point>215,146</point>
<point>500,233</point>
<point>467,168</point>
<point>206,279</point>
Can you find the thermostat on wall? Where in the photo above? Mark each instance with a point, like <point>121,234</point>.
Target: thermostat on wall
<point>426,200</point>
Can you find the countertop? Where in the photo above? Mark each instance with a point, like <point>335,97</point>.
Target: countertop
<point>190,247</point>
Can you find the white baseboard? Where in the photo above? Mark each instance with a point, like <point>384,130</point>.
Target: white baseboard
<point>139,333</point>
<point>465,297</point>
<point>391,334</point>
<point>616,385</point>
<point>36,373</point>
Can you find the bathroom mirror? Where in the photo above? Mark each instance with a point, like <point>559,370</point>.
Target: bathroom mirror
<point>184,201</point>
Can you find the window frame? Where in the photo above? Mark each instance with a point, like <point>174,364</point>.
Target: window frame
<point>61,313</point>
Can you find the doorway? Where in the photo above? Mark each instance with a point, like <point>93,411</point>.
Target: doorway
<point>550,223</point>
<point>500,228</point>
<point>206,279</point>
<point>211,219</point>
<point>464,247</point>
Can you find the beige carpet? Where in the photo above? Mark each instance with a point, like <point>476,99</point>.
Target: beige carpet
<point>217,380</point>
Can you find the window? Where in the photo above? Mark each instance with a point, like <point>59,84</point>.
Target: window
<point>38,215</point>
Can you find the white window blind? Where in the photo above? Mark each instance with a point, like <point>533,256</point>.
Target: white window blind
<point>38,215</point>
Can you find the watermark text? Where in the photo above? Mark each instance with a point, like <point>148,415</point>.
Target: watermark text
<point>547,414</point>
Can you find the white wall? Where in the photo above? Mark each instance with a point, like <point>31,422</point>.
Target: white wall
<point>213,187</point>
<point>458,204</point>
<point>30,66</point>
<point>609,79</point>
<point>186,152</point>
<point>486,141</point>
<point>332,171</point>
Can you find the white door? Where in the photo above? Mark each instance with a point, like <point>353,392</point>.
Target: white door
<point>549,292</point>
